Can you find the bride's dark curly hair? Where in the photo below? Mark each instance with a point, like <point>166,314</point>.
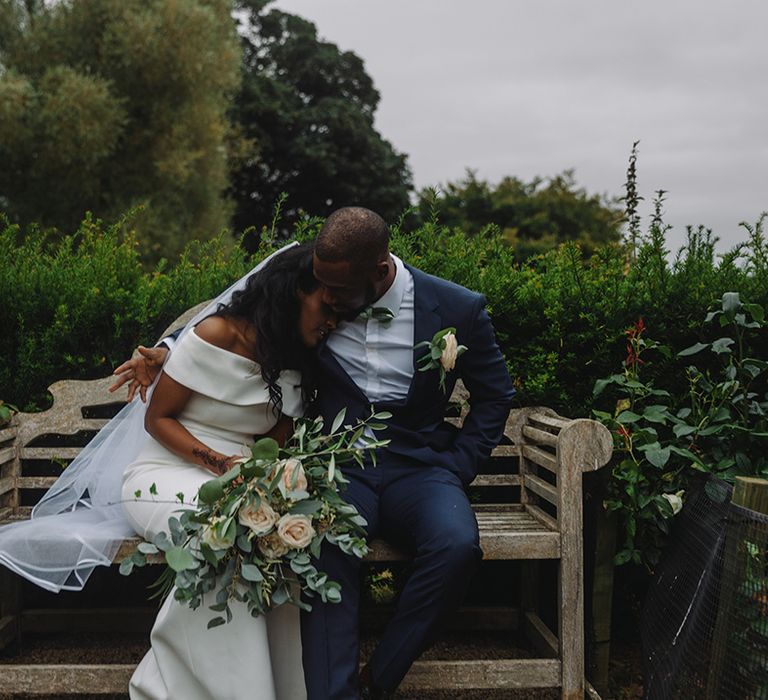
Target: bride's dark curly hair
<point>271,303</point>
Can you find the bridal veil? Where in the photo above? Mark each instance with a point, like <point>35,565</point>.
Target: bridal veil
<point>79,523</point>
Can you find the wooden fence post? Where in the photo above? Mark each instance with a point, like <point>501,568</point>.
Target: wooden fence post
<point>602,597</point>
<point>751,492</point>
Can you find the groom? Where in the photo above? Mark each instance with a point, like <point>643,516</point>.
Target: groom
<point>415,496</point>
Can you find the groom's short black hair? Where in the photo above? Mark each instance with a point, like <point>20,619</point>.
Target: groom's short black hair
<point>353,234</point>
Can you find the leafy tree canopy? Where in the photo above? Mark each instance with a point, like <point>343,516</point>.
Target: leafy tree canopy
<point>110,104</point>
<point>533,216</point>
<point>309,108</point>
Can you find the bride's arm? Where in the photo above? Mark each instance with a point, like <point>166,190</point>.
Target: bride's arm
<point>162,423</point>
<point>282,430</point>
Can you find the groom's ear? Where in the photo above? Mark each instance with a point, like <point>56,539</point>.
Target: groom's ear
<point>382,270</point>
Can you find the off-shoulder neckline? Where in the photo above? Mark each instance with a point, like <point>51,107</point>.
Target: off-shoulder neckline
<point>224,350</point>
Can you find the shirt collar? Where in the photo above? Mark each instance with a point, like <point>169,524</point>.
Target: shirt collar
<point>393,297</point>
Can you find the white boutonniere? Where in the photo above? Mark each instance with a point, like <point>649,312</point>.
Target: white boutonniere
<point>443,351</point>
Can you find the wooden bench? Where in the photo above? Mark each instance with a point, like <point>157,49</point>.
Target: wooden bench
<point>534,476</point>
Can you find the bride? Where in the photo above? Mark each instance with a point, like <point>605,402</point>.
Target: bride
<point>243,367</point>
<point>241,372</point>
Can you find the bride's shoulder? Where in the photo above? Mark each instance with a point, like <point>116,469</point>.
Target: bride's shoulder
<point>219,331</point>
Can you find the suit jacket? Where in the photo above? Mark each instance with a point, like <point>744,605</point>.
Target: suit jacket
<point>417,430</point>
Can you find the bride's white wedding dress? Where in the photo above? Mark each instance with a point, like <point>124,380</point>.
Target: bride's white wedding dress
<point>249,658</point>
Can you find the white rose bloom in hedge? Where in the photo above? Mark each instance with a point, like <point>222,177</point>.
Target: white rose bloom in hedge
<point>296,531</point>
<point>450,352</point>
<point>259,519</point>
<point>215,539</point>
<point>675,500</point>
<point>272,547</point>
<point>291,467</point>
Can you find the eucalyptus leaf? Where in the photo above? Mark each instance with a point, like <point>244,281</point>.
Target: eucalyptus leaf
<point>280,596</point>
<point>251,572</point>
<point>180,559</point>
<point>266,449</point>
<point>147,548</point>
<point>216,622</point>
<point>211,491</point>
<point>126,566</point>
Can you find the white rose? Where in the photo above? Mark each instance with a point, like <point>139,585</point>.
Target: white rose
<point>272,547</point>
<point>295,530</point>
<point>675,500</point>
<point>214,538</point>
<point>292,467</point>
<point>259,519</point>
<point>450,352</point>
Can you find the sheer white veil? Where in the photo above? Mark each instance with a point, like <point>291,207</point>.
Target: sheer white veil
<point>79,523</point>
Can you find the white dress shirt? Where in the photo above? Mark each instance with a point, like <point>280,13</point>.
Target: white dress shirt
<point>378,356</point>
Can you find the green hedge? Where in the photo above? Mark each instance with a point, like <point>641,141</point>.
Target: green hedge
<point>561,320</point>
<point>76,306</point>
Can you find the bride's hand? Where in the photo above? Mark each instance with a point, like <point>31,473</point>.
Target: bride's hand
<point>140,371</point>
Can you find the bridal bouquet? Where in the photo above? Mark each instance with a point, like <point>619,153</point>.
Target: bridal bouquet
<point>256,529</point>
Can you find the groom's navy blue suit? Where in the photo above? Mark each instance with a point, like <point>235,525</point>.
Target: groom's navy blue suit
<point>415,497</point>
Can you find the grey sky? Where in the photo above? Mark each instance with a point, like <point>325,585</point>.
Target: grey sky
<point>533,88</point>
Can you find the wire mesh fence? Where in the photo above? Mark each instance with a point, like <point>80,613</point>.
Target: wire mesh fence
<point>704,628</point>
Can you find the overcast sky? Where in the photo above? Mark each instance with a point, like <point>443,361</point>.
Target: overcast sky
<point>533,88</point>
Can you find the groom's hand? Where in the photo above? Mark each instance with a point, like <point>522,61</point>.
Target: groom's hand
<point>140,371</point>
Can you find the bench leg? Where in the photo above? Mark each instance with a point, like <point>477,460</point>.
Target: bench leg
<point>571,594</point>
<point>10,607</point>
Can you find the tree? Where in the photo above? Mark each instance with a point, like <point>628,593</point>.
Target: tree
<point>533,216</point>
<point>110,104</point>
<point>309,108</point>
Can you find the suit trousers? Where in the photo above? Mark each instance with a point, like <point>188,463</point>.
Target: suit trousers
<point>426,511</point>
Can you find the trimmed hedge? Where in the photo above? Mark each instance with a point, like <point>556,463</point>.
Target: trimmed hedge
<point>76,306</point>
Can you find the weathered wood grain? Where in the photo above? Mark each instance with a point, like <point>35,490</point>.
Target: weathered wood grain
<point>541,488</point>
<point>540,436</point>
<point>7,454</point>
<point>549,421</point>
<point>491,674</point>
<point>539,456</point>
<point>540,635</point>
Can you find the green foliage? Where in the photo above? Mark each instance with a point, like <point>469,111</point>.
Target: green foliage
<point>534,217</point>
<point>310,109</point>
<point>717,426</point>
<point>560,318</point>
<point>6,413</point>
<point>75,307</point>
<point>257,527</point>
<point>748,640</point>
<point>111,104</point>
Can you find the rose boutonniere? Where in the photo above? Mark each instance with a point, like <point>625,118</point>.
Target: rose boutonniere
<point>443,351</point>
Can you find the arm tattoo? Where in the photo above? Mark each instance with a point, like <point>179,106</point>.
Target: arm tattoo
<point>217,463</point>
